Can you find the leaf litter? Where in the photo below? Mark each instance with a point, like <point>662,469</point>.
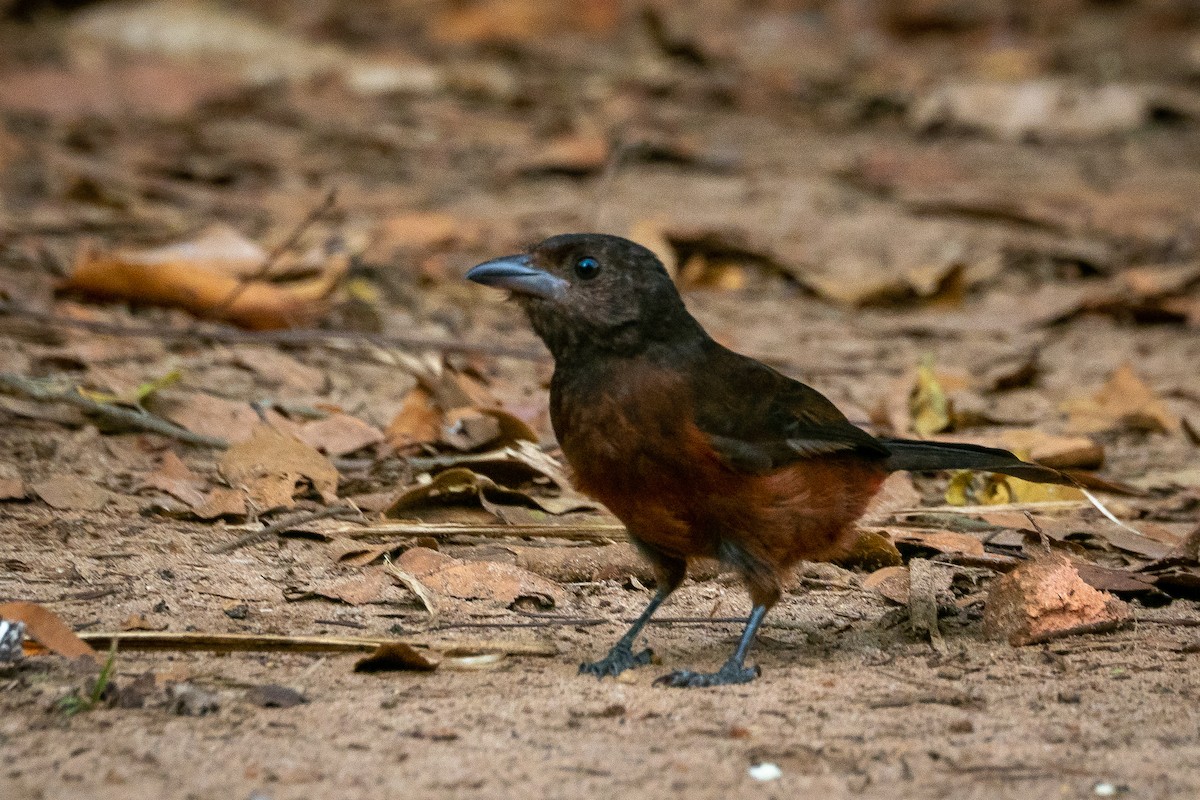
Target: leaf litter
<point>964,243</point>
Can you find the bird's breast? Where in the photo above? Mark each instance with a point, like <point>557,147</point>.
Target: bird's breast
<point>632,443</point>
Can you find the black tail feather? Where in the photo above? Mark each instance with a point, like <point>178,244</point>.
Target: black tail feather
<point>918,456</point>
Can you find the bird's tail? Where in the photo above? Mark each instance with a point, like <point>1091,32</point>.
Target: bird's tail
<point>918,456</point>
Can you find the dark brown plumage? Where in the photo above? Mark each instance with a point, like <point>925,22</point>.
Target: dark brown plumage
<point>698,450</point>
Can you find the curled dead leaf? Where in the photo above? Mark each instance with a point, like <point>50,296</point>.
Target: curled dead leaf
<point>207,279</point>
<point>397,656</point>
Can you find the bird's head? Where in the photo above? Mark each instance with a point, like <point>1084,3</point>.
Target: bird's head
<point>591,291</point>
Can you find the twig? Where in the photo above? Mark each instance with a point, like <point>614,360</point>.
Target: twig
<point>231,642</point>
<point>273,257</point>
<point>288,522</point>
<point>293,336</point>
<point>604,533</point>
<point>134,418</point>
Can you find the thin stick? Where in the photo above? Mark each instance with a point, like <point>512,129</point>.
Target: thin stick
<point>288,522</point>
<point>294,336</point>
<point>273,257</point>
<point>604,533</point>
<point>265,642</point>
<point>134,418</point>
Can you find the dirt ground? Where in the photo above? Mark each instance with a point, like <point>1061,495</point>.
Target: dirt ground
<point>845,190</point>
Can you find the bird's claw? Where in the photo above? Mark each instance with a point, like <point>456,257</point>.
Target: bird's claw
<point>619,659</point>
<point>728,675</point>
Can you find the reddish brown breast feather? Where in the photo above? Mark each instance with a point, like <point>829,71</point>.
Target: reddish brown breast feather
<point>644,457</point>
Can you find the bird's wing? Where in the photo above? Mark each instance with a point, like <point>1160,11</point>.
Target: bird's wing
<point>759,420</point>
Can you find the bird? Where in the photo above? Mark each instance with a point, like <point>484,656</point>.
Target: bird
<point>698,450</point>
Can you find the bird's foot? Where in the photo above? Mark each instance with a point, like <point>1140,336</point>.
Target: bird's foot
<point>619,659</point>
<point>728,675</point>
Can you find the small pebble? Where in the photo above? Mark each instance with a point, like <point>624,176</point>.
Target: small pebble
<point>765,771</point>
<point>1104,789</point>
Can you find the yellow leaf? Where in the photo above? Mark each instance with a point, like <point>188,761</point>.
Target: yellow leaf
<point>928,404</point>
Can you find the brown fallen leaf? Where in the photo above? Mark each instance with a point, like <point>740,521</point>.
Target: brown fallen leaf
<point>222,501</point>
<point>573,154</point>
<point>339,434</point>
<point>1045,599</point>
<point>1124,402</point>
<point>1044,109</point>
<point>71,493</point>
<point>396,656</point>
<point>47,629</point>
<point>939,541</point>
<point>459,484</point>
<point>418,422</point>
<point>891,582</point>
<point>176,479</point>
<point>270,464</point>
<point>206,414</point>
<point>489,581</point>
<point>276,368</point>
<point>352,553</point>
<point>422,561</point>
<point>367,587</point>
<point>207,279</point>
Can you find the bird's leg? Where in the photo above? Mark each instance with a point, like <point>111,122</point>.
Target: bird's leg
<point>621,657</point>
<point>765,590</point>
<point>733,671</point>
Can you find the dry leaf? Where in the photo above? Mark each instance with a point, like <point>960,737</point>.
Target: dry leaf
<point>397,656</point>
<point>455,485</point>
<point>488,581</point>
<point>367,587</point>
<point>1045,599</point>
<point>47,629</point>
<point>1043,109</point>
<point>176,479</point>
<point>969,488</point>
<point>71,493</point>
<point>872,550</point>
<point>502,584</point>
<point>222,501</point>
<point>277,368</point>
<point>203,277</point>
<point>1124,402</point>
<point>422,561</point>
<point>928,407</point>
<point>891,582</point>
<point>574,154</point>
<point>339,434</point>
<point>269,465</point>
<point>418,422</point>
<point>940,541</point>
<point>207,414</point>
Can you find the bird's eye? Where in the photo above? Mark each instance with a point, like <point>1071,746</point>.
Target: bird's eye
<point>587,268</point>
